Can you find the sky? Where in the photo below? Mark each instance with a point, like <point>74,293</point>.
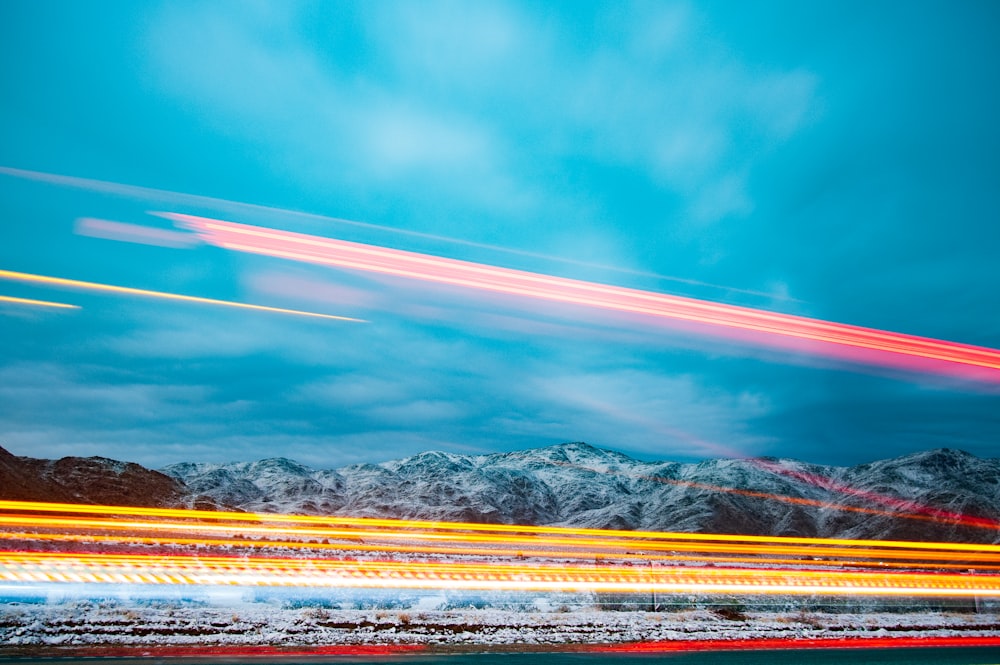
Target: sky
<point>838,161</point>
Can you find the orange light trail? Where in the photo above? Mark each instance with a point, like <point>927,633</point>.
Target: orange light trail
<point>395,549</point>
<point>270,571</point>
<point>926,513</point>
<point>319,524</point>
<point>469,556</point>
<point>60,282</point>
<point>241,519</point>
<point>835,339</point>
<point>37,303</point>
<point>524,541</point>
<point>389,539</point>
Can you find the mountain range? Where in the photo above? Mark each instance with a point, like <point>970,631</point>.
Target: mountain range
<point>941,494</point>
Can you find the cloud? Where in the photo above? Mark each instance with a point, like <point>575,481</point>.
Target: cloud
<point>663,416</point>
<point>270,87</point>
<point>488,104</point>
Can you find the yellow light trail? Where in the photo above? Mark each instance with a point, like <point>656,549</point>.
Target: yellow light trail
<point>61,282</point>
<point>154,569</point>
<point>37,303</point>
<point>426,525</point>
<point>395,549</point>
<point>611,543</point>
<point>507,557</point>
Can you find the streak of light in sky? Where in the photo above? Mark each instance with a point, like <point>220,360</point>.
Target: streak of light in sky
<point>36,303</point>
<point>178,198</point>
<point>111,230</point>
<point>60,282</point>
<point>794,333</point>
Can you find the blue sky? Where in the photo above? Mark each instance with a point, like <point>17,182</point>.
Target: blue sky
<point>832,160</point>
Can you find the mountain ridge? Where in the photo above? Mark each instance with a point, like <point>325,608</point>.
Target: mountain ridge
<point>940,494</point>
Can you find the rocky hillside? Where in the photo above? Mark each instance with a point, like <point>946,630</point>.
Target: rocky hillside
<point>87,480</point>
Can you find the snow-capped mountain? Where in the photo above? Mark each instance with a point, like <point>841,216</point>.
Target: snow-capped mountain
<point>935,495</point>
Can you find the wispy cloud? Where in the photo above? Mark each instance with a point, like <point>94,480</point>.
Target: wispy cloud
<point>660,416</point>
<point>320,122</point>
<point>478,101</point>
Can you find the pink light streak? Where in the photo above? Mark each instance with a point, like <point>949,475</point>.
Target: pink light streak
<point>237,207</point>
<point>110,230</point>
<point>916,510</point>
<point>784,331</point>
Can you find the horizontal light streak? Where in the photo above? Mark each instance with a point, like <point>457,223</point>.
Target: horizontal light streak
<point>344,254</point>
<point>37,303</point>
<point>61,282</point>
<point>772,643</point>
<point>215,570</point>
<point>593,545</point>
<point>467,556</point>
<point>615,545</point>
<point>240,519</point>
<point>395,549</point>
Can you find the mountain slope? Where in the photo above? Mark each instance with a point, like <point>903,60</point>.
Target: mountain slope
<point>95,480</point>
<point>934,495</point>
<point>940,494</point>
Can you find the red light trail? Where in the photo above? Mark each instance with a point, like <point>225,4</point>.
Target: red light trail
<point>786,331</point>
<point>779,643</point>
<point>923,513</point>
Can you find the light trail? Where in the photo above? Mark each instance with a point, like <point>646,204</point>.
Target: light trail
<point>238,207</point>
<point>111,230</point>
<point>833,339</point>
<point>37,303</point>
<point>795,643</point>
<point>425,525</point>
<point>464,540</point>
<point>217,570</point>
<point>928,513</point>
<point>60,282</point>
<point>594,545</point>
<point>469,556</point>
<point>173,542</point>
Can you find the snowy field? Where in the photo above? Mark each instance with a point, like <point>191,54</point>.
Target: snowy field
<point>35,628</point>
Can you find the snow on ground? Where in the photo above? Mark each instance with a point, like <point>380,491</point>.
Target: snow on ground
<point>28,627</point>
